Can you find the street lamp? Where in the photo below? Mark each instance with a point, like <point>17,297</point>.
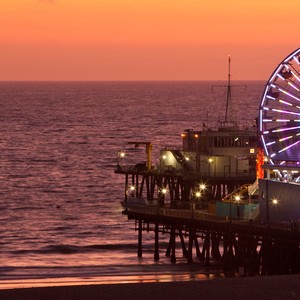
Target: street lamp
<point>197,195</point>
<point>163,190</point>
<point>129,192</point>
<point>202,187</point>
<point>238,199</point>
<point>121,155</point>
<point>161,194</point>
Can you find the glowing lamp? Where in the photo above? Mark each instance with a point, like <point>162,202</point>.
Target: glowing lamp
<point>164,191</point>
<point>121,154</point>
<point>202,186</point>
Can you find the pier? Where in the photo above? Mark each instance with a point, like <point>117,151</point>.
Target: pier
<point>236,243</point>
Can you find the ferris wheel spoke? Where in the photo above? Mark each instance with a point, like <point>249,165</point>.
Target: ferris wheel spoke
<point>289,81</point>
<point>279,142</point>
<point>286,148</point>
<point>283,102</point>
<point>288,94</point>
<point>286,129</point>
<point>296,75</point>
<point>290,74</point>
<point>293,86</point>
<point>285,112</point>
<point>275,120</point>
<point>296,58</point>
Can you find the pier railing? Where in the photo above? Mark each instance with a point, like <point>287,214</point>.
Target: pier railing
<point>202,215</point>
<point>123,169</point>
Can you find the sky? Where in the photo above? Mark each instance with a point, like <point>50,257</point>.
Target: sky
<point>145,39</point>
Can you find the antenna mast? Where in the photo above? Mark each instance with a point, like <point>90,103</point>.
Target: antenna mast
<point>228,100</point>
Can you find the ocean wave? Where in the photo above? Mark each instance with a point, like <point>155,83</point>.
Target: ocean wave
<point>72,249</point>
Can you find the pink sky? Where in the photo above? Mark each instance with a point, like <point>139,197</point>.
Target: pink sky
<point>145,39</point>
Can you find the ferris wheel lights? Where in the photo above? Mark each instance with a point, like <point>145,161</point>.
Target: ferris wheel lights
<point>289,94</point>
<point>285,111</point>
<point>279,112</point>
<point>282,120</point>
<point>285,102</point>
<point>293,86</point>
<point>285,129</point>
<point>278,75</point>
<point>286,138</point>
<point>284,149</point>
<point>271,143</point>
<point>295,75</point>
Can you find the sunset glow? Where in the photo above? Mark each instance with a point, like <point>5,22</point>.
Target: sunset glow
<point>144,40</point>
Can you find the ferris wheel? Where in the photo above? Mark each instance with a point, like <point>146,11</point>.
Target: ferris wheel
<point>279,113</point>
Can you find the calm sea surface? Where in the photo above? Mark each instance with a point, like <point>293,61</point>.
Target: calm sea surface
<point>61,218</point>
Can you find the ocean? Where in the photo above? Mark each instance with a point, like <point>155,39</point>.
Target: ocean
<point>61,217</point>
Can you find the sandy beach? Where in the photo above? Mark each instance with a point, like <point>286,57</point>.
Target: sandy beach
<point>254,288</point>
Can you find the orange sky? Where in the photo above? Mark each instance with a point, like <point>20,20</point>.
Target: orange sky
<point>145,39</point>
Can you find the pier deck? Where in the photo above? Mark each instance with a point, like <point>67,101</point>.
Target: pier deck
<point>247,246</point>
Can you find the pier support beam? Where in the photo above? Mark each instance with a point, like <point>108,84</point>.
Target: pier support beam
<point>184,251</point>
<point>172,245</point>
<point>156,250</point>
<point>190,251</point>
<point>215,246</point>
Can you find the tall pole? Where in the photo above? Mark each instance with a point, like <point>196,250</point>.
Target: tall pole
<point>228,100</point>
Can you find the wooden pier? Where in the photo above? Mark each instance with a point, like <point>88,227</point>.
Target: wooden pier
<point>238,245</point>
<point>247,247</point>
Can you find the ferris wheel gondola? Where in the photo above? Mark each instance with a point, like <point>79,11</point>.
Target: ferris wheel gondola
<point>279,115</point>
